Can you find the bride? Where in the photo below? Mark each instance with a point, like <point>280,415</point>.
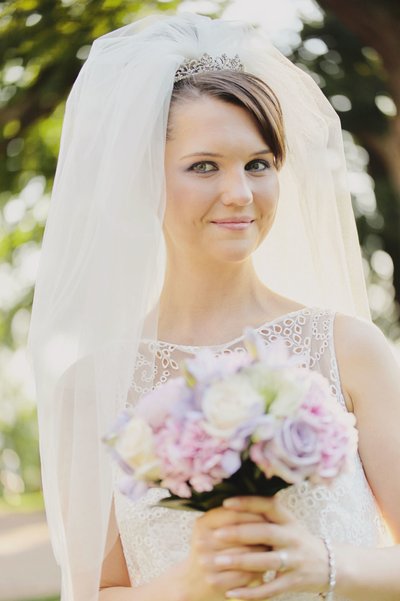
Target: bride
<point>200,189</point>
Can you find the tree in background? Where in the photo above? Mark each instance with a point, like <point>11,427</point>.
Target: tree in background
<point>358,68</point>
<point>43,44</point>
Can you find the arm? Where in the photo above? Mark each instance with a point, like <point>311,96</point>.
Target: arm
<point>115,583</point>
<point>370,379</point>
<point>186,581</point>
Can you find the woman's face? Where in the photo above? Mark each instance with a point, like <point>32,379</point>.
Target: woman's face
<point>221,182</point>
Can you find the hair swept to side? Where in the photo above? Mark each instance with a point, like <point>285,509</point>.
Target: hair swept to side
<point>241,89</point>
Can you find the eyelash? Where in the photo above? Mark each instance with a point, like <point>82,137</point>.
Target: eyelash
<point>267,164</point>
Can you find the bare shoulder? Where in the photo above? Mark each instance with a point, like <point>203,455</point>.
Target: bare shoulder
<point>358,338</point>
<point>363,353</point>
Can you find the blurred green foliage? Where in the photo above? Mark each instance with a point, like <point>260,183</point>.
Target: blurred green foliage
<point>19,460</point>
<point>357,80</point>
<point>43,44</point>
<point>47,599</point>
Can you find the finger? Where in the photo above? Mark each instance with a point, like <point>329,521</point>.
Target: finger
<point>253,561</point>
<point>283,583</point>
<point>209,559</point>
<point>215,518</point>
<point>225,581</point>
<point>209,544</point>
<point>267,534</point>
<point>270,507</point>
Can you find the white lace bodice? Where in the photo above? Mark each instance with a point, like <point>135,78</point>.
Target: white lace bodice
<point>155,538</point>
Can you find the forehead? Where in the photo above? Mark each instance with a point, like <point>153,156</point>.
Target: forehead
<point>212,119</point>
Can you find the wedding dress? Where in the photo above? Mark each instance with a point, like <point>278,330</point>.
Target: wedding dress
<point>154,538</point>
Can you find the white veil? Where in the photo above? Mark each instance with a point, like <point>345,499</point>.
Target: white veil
<point>102,261</point>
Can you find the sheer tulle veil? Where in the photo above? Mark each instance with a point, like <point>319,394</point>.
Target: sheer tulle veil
<point>102,260</point>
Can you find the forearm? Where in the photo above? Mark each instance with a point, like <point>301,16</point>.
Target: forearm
<point>368,574</point>
<point>167,587</point>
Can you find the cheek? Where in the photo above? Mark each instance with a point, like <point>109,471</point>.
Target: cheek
<point>185,201</point>
<point>268,197</point>
<point>180,211</point>
<point>175,199</point>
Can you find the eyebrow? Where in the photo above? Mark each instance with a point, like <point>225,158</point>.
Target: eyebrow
<point>213,154</point>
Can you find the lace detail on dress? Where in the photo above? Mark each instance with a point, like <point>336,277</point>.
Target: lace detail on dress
<point>156,538</point>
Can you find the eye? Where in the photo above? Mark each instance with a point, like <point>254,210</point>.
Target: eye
<point>202,167</point>
<point>258,165</point>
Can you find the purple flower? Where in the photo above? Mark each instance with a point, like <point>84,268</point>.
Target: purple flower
<point>274,355</point>
<point>120,422</point>
<point>131,488</point>
<point>173,397</point>
<point>206,368</point>
<point>120,461</point>
<point>293,453</point>
<point>316,444</point>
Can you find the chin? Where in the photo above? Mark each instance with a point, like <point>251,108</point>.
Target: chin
<point>236,252</point>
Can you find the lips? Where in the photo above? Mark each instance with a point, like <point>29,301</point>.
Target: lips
<point>234,223</point>
<point>231,220</point>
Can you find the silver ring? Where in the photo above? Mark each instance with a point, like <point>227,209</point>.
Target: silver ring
<point>269,575</point>
<point>283,558</point>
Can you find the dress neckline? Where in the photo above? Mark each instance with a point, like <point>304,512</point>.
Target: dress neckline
<point>186,347</point>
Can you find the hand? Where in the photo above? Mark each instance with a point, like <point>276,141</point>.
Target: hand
<point>279,544</point>
<point>202,576</point>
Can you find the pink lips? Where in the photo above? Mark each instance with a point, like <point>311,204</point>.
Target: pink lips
<point>234,223</point>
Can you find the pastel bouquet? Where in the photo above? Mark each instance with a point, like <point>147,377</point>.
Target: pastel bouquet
<point>245,423</point>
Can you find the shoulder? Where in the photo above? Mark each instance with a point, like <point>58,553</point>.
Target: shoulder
<point>363,353</point>
<point>357,336</point>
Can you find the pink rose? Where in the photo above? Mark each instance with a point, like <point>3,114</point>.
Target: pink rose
<point>188,455</point>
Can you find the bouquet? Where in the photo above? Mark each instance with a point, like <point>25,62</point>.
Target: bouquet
<point>248,423</point>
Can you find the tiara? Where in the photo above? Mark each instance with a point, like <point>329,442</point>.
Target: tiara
<point>191,66</point>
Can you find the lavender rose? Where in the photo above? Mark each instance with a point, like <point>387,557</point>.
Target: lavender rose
<point>312,444</point>
<point>292,453</point>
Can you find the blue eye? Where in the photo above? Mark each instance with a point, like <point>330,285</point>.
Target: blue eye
<point>264,165</point>
<point>201,167</point>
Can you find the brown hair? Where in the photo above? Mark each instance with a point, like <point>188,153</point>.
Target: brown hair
<point>241,89</point>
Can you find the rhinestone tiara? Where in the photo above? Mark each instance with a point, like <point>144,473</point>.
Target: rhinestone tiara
<point>191,66</point>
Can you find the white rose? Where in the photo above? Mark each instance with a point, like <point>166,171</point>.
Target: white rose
<point>281,390</point>
<point>135,445</point>
<point>289,397</point>
<point>230,404</point>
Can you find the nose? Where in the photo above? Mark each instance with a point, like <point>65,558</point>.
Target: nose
<point>236,190</point>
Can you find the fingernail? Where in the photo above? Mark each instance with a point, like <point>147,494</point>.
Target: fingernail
<point>222,560</point>
<point>232,594</point>
<point>231,503</point>
<point>221,533</point>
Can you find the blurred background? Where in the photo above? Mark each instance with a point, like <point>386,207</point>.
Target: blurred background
<point>350,47</point>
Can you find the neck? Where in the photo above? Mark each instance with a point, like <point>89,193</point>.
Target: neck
<point>213,302</point>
